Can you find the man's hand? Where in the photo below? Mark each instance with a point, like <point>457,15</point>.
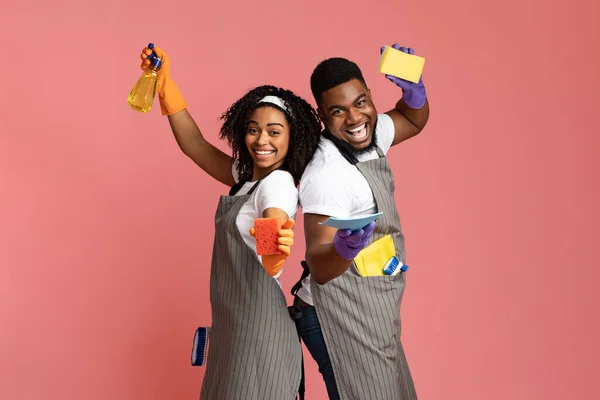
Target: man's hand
<point>349,243</point>
<point>413,93</point>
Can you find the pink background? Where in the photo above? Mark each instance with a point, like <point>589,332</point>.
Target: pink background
<point>106,227</point>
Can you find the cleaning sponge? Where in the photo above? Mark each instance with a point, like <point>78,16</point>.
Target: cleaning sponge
<point>266,233</point>
<point>401,65</point>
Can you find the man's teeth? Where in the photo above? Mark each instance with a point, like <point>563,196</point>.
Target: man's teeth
<point>359,133</point>
<point>358,128</point>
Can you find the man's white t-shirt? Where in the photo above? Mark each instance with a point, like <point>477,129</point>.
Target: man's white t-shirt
<point>332,186</point>
<point>277,190</point>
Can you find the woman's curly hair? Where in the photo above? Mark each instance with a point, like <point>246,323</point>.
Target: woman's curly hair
<point>305,129</point>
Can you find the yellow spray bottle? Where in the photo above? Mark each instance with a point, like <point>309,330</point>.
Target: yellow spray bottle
<point>142,95</point>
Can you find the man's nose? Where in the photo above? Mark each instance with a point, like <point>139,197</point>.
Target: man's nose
<point>353,116</point>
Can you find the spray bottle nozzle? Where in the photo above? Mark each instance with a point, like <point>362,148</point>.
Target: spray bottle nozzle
<point>155,61</point>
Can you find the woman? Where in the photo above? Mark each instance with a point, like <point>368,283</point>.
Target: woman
<point>255,352</point>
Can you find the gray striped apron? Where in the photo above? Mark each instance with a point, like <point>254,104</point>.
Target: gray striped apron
<point>254,351</point>
<point>360,316</point>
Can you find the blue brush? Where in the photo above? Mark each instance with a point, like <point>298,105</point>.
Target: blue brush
<point>394,266</point>
<point>199,348</point>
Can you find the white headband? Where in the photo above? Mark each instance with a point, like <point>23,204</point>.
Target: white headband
<point>275,100</point>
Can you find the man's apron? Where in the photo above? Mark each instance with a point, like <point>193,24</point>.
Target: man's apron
<point>254,351</point>
<point>360,316</point>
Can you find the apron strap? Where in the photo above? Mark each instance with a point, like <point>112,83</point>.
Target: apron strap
<point>236,188</point>
<point>302,387</point>
<point>305,273</point>
<point>346,153</point>
<point>296,313</point>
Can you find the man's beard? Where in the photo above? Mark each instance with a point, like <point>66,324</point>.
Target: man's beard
<point>350,151</point>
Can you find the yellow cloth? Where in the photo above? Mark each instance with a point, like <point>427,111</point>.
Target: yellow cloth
<point>371,260</point>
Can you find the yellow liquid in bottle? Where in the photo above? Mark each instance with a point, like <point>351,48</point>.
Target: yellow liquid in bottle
<point>142,95</point>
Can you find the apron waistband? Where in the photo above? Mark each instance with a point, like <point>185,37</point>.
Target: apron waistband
<point>305,273</point>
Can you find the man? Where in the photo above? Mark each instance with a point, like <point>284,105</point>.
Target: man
<point>351,323</point>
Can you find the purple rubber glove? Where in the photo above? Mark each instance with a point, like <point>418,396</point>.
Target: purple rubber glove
<point>349,243</point>
<point>413,93</point>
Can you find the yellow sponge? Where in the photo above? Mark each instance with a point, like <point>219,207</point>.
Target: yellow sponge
<point>401,65</point>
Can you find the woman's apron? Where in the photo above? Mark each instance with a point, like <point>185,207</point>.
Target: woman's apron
<point>360,316</point>
<point>254,351</point>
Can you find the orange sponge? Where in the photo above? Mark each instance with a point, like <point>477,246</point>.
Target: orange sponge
<point>266,233</point>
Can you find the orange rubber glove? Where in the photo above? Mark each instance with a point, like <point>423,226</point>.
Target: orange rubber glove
<point>274,263</point>
<point>171,99</point>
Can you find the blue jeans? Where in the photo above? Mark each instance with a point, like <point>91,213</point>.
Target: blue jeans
<point>309,330</point>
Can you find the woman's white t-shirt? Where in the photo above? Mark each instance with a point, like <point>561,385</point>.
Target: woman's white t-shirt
<point>277,190</point>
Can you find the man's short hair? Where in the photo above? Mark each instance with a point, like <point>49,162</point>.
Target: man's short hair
<point>331,73</point>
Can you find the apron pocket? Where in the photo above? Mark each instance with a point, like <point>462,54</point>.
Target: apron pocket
<point>371,260</point>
